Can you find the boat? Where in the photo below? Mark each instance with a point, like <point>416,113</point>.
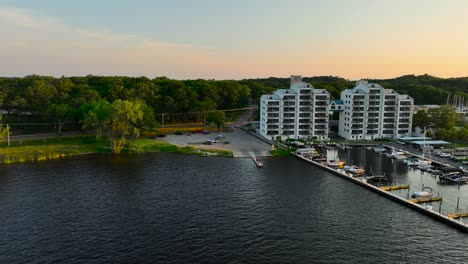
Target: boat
<point>423,193</point>
<point>397,154</point>
<point>354,169</point>
<point>424,167</point>
<point>454,177</point>
<point>434,171</point>
<point>258,162</point>
<point>424,161</point>
<point>336,163</point>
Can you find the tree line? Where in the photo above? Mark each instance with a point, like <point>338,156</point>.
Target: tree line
<point>100,102</point>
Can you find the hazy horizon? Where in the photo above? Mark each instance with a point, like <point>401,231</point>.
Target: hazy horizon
<point>208,39</point>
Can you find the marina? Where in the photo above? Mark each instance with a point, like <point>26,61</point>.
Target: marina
<point>420,201</point>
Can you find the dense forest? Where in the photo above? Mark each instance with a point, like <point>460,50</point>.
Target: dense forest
<point>66,100</point>
<point>425,89</point>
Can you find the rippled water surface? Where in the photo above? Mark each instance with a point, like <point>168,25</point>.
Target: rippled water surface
<point>164,208</point>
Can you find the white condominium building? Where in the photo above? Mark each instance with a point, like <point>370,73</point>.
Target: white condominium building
<point>298,112</point>
<point>370,111</point>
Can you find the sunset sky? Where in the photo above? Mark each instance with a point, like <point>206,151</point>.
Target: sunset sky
<point>216,39</point>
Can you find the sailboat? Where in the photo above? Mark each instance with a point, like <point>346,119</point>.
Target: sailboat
<point>423,162</point>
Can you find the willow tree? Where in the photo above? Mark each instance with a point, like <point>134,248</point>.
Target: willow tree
<point>123,119</point>
<point>118,121</point>
<point>4,130</point>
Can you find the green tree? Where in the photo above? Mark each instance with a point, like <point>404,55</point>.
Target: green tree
<point>421,119</point>
<point>204,107</point>
<point>4,130</point>
<point>444,117</point>
<point>96,116</point>
<point>218,118</point>
<point>60,114</point>
<point>118,121</point>
<point>124,115</point>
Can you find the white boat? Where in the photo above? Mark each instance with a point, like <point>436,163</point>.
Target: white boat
<point>424,167</point>
<point>397,154</point>
<point>423,193</point>
<point>354,169</point>
<point>336,163</point>
<point>422,162</point>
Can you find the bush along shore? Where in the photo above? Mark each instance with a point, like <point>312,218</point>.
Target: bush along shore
<point>54,148</point>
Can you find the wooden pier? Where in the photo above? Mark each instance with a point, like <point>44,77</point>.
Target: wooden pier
<point>394,187</point>
<point>416,206</point>
<point>426,199</point>
<point>457,216</point>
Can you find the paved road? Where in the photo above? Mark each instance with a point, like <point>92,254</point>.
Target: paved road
<point>241,143</point>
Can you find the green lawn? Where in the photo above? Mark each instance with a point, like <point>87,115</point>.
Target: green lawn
<point>36,150</point>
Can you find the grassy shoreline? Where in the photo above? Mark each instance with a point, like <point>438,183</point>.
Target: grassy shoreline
<point>54,148</point>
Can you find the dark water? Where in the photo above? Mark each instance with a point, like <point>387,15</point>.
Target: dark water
<point>162,208</point>
<point>399,173</point>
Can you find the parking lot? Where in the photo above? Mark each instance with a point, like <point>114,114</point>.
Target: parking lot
<point>239,142</point>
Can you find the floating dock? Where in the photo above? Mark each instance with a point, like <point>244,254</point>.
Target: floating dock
<point>457,216</point>
<point>416,206</point>
<point>426,199</point>
<point>394,187</point>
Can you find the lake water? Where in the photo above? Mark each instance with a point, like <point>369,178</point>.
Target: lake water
<point>167,208</point>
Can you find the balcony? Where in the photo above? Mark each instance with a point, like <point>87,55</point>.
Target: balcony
<point>358,109</point>
<point>320,109</point>
<point>321,116</point>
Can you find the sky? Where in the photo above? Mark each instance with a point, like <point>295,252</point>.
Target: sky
<point>218,39</point>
